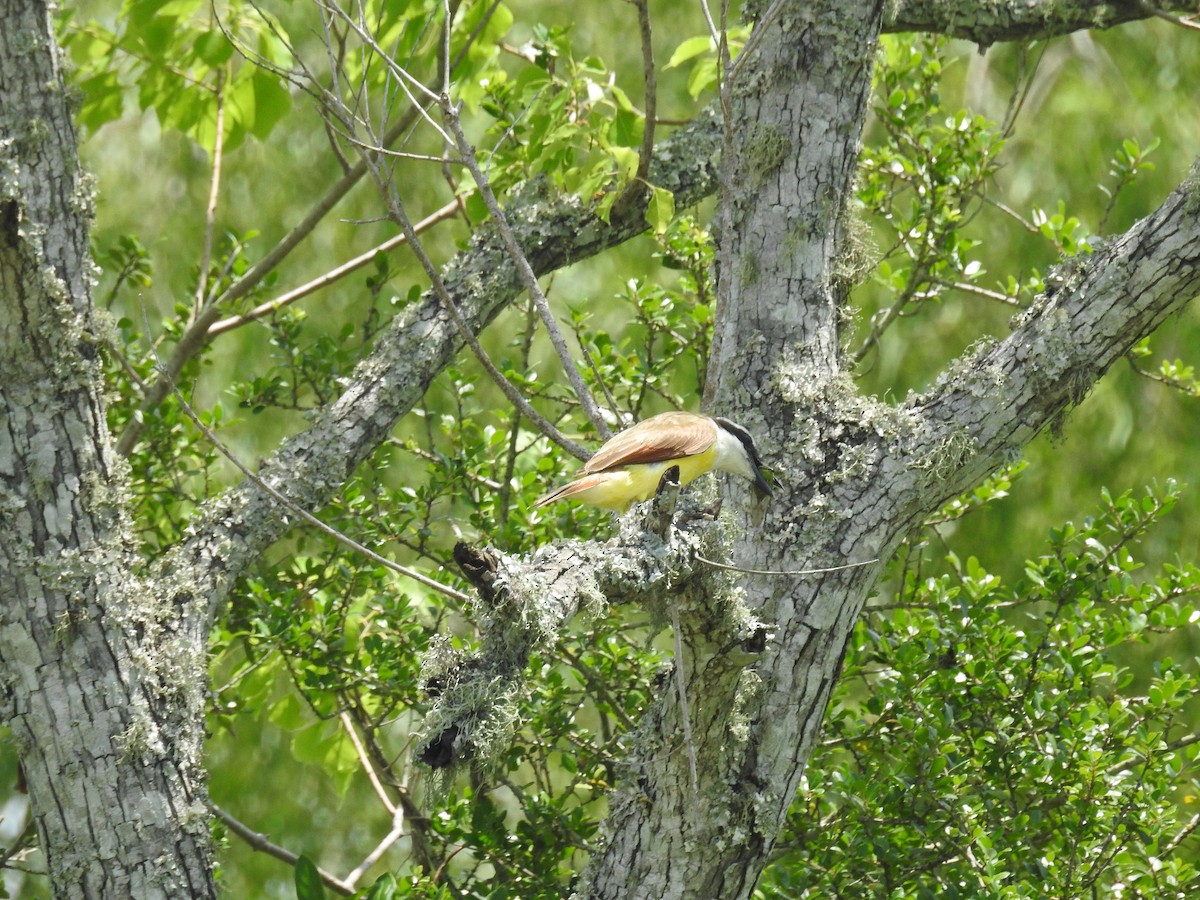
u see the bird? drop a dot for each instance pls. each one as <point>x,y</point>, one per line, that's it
<point>629,466</point>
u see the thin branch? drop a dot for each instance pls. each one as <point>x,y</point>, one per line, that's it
<point>403,78</point>
<point>728,567</point>
<point>271,306</point>
<point>883,320</point>
<point>966,288</point>
<point>195,336</point>
<point>397,154</point>
<point>365,760</point>
<point>381,848</point>
<point>1024,85</point>
<point>752,42</point>
<point>308,517</point>
<point>637,184</point>
<point>1181,21</point>
<point>1184,833</point>
<point>421,453</point>
<point>263,844</point>
<point>722,47</point>
<point>397,812</point>
<point>528,278</point>
<point>1191,389</point>
<point>400,216</point>
<point>21,843</point>
<point>214,190</point>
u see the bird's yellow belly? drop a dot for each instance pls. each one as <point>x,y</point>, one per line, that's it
<point>621,488</point>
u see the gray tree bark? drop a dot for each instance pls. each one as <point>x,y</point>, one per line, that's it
<point>103,666</point>
<point>104,697</point>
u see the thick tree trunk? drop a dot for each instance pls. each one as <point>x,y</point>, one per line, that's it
<point>797,110</point>
<point>104,699</point>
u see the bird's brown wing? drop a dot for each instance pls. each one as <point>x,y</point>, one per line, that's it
<point>669,435</point>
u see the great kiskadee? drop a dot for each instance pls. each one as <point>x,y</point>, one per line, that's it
<point>628,468</point>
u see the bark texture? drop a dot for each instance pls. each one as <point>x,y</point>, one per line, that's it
<point>1012,20</point>
<point>104,705</point>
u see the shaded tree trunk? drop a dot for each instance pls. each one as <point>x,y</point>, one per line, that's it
<point>104,700</point>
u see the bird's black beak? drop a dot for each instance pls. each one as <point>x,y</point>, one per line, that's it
<point>762,487</point>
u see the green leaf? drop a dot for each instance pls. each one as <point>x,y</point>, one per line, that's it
<point>384,888</point>
<point>660,210</point>
<point>213,48</point>
<point>627,129</point>
<point>308,881</point>
<point>104,100</point>
<point>690,49</point>
<point>271,103</point>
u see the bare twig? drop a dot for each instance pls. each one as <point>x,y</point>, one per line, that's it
<point>214,190</point>
<point>752,42</point>
<point>721,44</point>
<point>882,320</point>
<point>408,82</point>
<point>271,306</point>
<point>381,848</point>
<point>397,812</point>
<point>525,270</point>
<point>967,288</point>
<point>263,844</point>
<point>1181,21</point>
<point>640,179</point>
<point>365,760</point>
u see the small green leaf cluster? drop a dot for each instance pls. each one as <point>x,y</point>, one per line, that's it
<point>180,59</point>
<point>702,52</point>
<point>660,356</point>
<point>924,179</point>
<point>305,368</point>
<point>991,741</point>
<point>559,118</point>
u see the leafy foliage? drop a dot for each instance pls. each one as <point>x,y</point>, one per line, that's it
<point>994,741</point>
<point>986,739</point>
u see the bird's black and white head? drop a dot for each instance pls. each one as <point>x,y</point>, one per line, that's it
<point>737,453</point>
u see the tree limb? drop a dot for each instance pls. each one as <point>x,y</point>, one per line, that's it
<point>1016,20</point>
<point>1096,307</point>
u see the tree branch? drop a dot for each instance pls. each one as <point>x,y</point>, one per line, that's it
<point>1096,307</point>
<point>263,844</point>
<point>524,602</point>
<point>1015,20</point>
